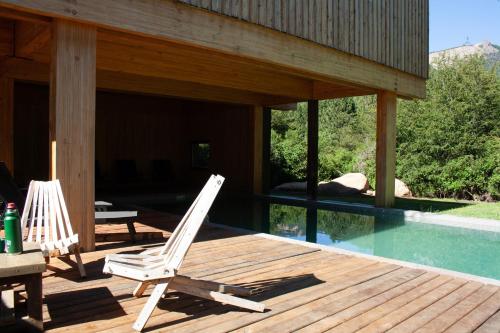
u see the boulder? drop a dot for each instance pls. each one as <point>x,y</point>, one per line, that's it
<point>350,183</point>
<point>401,189</point>
<point>292,187</point>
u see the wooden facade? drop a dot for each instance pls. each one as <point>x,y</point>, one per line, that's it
<point>390,32</point>
<point>254,54</point>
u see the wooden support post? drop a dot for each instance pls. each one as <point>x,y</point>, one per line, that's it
<point>262,149</point>
<point>7,122</point>
<point>312,149</point>
<point>266,151</point>
<point>386,149</point>
<point>72,122</point>
<point>258,114</point>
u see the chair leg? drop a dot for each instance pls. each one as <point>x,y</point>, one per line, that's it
<point>131,230</point>
<point>140,289</point>
<point>148,309</point>
<point>79,261</point>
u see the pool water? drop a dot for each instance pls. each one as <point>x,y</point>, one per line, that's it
<point>464,250</point>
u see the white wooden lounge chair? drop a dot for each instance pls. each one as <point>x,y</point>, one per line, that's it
<point>159,266</point>
<point>46,216</point>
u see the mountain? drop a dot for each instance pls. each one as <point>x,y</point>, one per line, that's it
<point>490,51</point>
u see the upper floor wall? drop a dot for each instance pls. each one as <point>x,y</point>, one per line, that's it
<point>394,33</point>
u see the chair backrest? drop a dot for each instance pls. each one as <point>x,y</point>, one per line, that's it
<point>45,214</point>
<point>9,192</point>
<point>177,246</point>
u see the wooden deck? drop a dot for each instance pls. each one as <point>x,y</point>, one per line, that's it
<point>305,289</point>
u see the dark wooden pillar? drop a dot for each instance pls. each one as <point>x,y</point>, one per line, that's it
<point>312,149</point>
<point>262,150</point>
<point>266,150</point>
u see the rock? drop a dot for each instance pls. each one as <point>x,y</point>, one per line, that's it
<point>486,197</point>
<point>401,189</point>
<point>370,192</point>
<point>350,183</point>
<point>292,187</point>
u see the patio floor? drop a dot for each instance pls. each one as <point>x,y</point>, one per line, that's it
<point>305,289</point>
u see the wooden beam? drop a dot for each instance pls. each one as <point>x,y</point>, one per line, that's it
<point>17,15</point>
<point>155,58</point>
<point>386,149</point>
<point>284,107</point>
<point>327,90</point>
<point>312,149</point>
<point>7,122</point>
<point>22,69</point>
<point>72,121</point>
<point>172,21</point>
<point>30,37</point>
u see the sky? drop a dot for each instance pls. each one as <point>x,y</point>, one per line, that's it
<point>453,22</point>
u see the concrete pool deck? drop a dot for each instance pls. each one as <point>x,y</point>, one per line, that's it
<point>305,288</point>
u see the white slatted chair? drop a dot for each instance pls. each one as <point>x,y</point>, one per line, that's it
<point>46,217</point>
<point>159,266</point>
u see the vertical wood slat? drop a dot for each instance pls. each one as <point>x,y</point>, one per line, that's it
<point>72,121</point>
<point>390,32</point>
<point>329,22</point>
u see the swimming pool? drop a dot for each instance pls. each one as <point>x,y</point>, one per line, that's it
<point>464,250</point>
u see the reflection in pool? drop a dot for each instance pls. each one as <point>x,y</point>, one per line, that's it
<point>464,250</point>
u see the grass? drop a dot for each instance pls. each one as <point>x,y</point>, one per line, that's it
<point>487,210</point>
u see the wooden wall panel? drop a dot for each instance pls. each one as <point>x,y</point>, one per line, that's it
<point>390,32</point>
<point>142,128</point>
<point>6,122</point>
<point>147,128</point>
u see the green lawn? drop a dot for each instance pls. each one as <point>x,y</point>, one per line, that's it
<point>485,210</point>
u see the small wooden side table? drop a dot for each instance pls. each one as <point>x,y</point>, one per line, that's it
<point>26,268</point>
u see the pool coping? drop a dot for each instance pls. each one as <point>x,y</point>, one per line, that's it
<point>333,249</point>
<point>412,215</point>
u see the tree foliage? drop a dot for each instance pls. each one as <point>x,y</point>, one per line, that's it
<point>448,145</point>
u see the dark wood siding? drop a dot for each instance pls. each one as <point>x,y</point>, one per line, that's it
<point>390,32</point>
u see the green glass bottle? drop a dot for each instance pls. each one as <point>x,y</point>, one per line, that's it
<point>12,228</point>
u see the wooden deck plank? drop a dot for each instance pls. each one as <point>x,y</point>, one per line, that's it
<point>305,290</point>
<point>392,319</point>
<point>159,318</point>
<point>137,305</point>
<point>450,317</point>
<point>436,309</point>
<point>477,316</point>
<point>384,309</point>
<point>234,320</point>
<point>492,325</point>
<point>360,308</point>
<point>302,316</point>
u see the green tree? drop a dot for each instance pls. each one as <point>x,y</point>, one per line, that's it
<point>448,144</point>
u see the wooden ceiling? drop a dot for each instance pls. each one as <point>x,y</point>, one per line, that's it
<point>133,63</point>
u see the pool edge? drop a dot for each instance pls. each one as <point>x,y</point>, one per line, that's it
<point>328,248</point>
<point>474,223</point>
